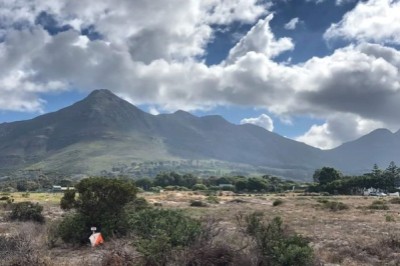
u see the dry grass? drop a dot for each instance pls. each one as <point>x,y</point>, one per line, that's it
<point>337,237</point>
<point>357,236</point>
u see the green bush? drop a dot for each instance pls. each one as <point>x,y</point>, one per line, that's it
<point>389,218</point>
<point>277,202</point>
<point>335,206</point>
<point>395,201</point>
<point>27,211</point>
<point>101,203</point>
<point>378,205</point>
<point>198,203</point>
<point>199,187</point>
<point>276,246</point>
<point>74,228</point>
<point>68,200</point>
<point>212,199</point>
<point>137,204</point>
<point>160,231</point>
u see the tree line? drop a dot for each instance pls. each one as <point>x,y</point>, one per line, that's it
<point>175,181</point>
<point>330,180</point>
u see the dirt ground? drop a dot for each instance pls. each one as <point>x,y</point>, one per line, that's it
<point>347,237</point>
<point>355,236</point>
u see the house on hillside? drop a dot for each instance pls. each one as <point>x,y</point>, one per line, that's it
<point>61,189</point>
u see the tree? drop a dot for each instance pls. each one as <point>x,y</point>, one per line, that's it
<point>391,176</point>
<point>144,183</point>
<point>326,175</point>
<point>100,203</point>
<point>241,184</point>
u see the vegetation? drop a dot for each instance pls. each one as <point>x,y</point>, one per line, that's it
<point>27,211</point>
<point>160,231</point>
<point>335,206</point>
<point>276,245</point>
<point>175,181</point>
<point>378,205</point>
<point>198,203</point>
<point>330,180</point>
<point>277,202</point>
<point>100,203</point>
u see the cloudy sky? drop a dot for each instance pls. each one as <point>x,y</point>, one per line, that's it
<point>319,71</point>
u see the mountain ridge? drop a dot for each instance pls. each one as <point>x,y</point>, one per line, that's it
<point>102,130</point>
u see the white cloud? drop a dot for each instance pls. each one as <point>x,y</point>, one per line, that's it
<point>371,21</point>
<point>263,121</point>
<point>292,24</point>
<point>338,129</point>
<point>151,59</point>
<point>260,39</point>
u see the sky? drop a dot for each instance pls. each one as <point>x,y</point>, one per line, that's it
<point>322,72</point>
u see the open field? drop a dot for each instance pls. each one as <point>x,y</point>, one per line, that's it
<point>354,236</point>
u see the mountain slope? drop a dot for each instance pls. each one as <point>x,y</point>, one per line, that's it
<point>103,130</point>
<point>380,146</point>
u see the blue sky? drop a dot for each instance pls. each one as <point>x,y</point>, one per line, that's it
<point>319,71</point>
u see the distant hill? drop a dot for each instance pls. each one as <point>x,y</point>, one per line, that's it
<point>103,131</point>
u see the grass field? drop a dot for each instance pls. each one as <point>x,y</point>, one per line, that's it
<point>354,236</point>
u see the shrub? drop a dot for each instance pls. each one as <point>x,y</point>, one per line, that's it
<point>100,203</point>
<point>212,199</point>
<point>277,202</point>
<point>137,204</point>
<point>27,211</point>
<point>323,201</point>
<point>335,206</point>
<point>378,205</point>
<point>68,200</point>
<point>4,198</point>
<point>237,201</point>
<point>395,201</point>
<point>74,229</point>
<point>198,203</point>
<point>119,253</point>
<point>160,231</point>
<point>20,249</point>
<point>276,246</point>
<point>389,218</point>
<point>199,187</point>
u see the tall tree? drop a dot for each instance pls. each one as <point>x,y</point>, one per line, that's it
<point>326,175</point>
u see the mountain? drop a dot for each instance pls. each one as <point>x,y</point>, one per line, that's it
<point>103,132</point>
<point>380,146</point>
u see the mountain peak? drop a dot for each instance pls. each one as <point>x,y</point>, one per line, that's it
<point>103,93</point>
<point>183,114</point>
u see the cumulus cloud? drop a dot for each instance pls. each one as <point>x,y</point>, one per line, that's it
<point>263,121</point>
<point>370,21</point>
<point>337,129</point>
<point>260,39</point>
<point>153,59</point>
<point>292,24</point>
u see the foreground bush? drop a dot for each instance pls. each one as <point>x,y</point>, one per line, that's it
<point>276,245</point>
<point>27,211</point>
<point>23,247</point>
<point>378,205</point>
<point>277,202</point>
<point>160,231</point>
<point>101,203</point>
<point>395,201</point>
<point>198,203</point>
<point>335,206</point>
